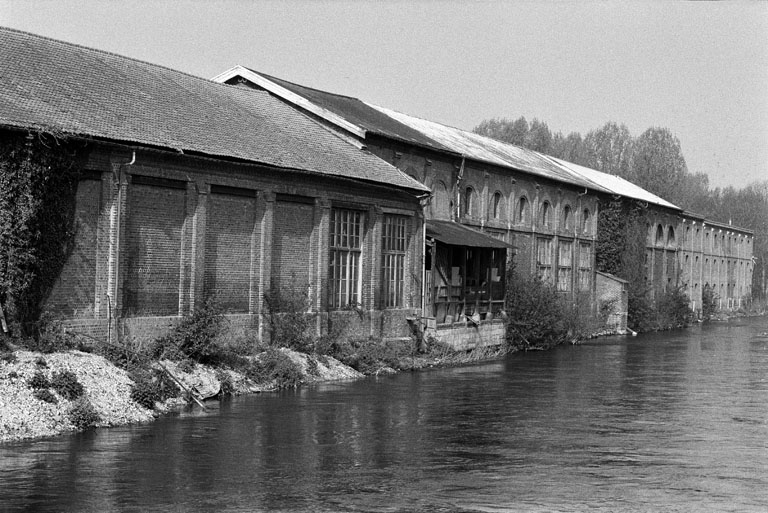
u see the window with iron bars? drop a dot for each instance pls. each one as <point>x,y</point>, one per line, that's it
<point>346,241</point>
<point>394,243</point>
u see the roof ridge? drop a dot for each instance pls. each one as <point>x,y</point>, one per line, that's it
<point>274,78</point>
<point>380,108</point>
<point>106,52</point>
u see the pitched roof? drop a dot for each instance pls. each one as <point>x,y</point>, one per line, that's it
<point>346,111</point>
<point>491,151</point>
<point>52,85</point>
<point>615,184</point>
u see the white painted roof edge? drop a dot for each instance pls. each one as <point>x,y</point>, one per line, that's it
<point>626,188</point>
<point>291,97</point>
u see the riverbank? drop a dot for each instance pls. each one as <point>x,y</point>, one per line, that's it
<point>29,409</point>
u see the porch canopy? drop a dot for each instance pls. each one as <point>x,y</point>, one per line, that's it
<point>456,234</point>
<point>465,273</point>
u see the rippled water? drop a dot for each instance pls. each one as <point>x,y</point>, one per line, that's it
<point>665,422</point>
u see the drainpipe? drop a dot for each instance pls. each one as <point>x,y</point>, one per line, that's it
<point>114,257</point>
<point>422,199</point>
<point>458,190</point>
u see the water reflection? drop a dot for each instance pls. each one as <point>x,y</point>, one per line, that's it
<point>665,422</point>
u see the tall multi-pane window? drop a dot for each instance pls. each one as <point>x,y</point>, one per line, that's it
<point>585,266</point>
<point>544,259</point>
<point>394,241</point>
<point>345,262</point>
<point>565,266</point>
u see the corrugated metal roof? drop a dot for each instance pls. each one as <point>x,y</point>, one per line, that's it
<point>390,123</point>
<point>491,151</point>
<point>359,113</point>
<point>457,234</point>
<point>52,85</point>
<point>615,184</point>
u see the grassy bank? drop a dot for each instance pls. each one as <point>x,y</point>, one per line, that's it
<point>56,383</point>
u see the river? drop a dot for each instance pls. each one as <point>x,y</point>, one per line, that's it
<point>674,421</point>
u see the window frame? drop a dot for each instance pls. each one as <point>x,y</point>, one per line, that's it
<point>394,252</point>
<point>345,265</point>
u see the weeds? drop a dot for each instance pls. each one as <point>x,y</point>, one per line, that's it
<point>194,338</point>
<point>45,395</point>
<point>83,415</point>
<point>39,381</point>
<point>65,383</point>
<point>274,366</point>
<point>152,386</point>
<point>288,322</point>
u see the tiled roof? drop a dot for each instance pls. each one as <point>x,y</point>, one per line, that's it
<point>52,85</point>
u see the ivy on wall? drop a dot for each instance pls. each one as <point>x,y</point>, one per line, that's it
<point>38,183</point>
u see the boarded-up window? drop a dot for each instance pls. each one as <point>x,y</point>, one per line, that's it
<point>345,259</point>
<point>229,236</point>
<point>74,293</point>
<point>394,244</point>
<point>291,243</point>
<point>565,266</point>
<point>156,211</point>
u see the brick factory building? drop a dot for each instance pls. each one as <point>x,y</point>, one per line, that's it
<point>192,190</point>
<point>195,189</point>
<point>544,207</point>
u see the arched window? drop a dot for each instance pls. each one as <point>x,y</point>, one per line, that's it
<point>469,201</point>
<point>670,236</point>
<point>522,210</point>
<point>441,202</point>
<point>567,218</point>
<point>585,221</point>
<point>496,205</point>
<point>659,235</point>
<point>545,215</point>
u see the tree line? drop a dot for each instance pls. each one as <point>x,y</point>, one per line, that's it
<point>654,161</point>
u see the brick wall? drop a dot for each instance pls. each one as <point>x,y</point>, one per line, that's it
<point>612,302</point>
<point>154,220</point>
<point>291,241</point>
<point>73,295</point>
<point>230,232</point>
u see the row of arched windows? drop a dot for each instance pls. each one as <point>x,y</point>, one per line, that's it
<point>660,238</point>
<point>522,211</point>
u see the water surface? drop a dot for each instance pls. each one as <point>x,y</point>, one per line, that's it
<point>665,422</point>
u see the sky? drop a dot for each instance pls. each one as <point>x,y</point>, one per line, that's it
<point>699,69</point>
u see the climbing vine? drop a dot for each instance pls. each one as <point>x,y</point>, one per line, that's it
<point>38,183</point>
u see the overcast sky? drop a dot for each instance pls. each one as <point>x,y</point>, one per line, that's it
<point>697,68</point>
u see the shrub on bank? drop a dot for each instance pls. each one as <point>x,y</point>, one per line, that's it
<point>151,386</point>
<point>539,317</point>
<point>195,337</point>
<point>83,415</point>
<point>708,303</point>
<point>39,381</point>
<point>288,323</point>
<point>65,383</point>
<point>673,310</point>
<point>45,395</point>
<point>275,366</point>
